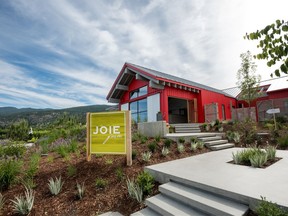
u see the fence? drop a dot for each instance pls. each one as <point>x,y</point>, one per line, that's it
<point>211,112</point>
<point>240,114</point>
<point>263,106</point>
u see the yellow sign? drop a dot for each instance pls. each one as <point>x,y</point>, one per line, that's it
<point>109,133</point>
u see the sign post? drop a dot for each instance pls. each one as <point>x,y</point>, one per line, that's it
<point>273,111</point>
<point>109,133</point>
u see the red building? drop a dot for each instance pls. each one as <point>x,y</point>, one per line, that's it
<point>152,95</point>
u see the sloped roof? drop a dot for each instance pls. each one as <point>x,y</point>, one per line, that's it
<point>275,84</point>
<point>156,79</point>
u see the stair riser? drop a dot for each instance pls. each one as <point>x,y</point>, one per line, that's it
<point>194,203</point>
<point>216,148</point>
<point>218,142</point>
<point>210,139</point>
<point>157,208</point>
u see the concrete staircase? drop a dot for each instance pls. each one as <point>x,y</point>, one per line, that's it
<point>186,128</point>
<point>177,198</point>
<point>215,142</point>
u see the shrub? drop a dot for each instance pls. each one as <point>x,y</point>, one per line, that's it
<point>146,156</point>
<point>22,205</point>
<point>165,151</point>
<point>28,182</point>
<point>230,135</point>
<point>71,170</point>
<point>181,140</point>
<point>134,190</point>
<point>266,208</point>
<point>62,151</point>
<point>17,150</point>
<point>283,141</point>
<point>55,186</point>
<point>271,152</point>
<point>193,139</point>
<point>19,130</point>
<point>152,146</point>
<point>258,160</point>
<point>9,169</point>
<point>146,181</point>
<point>73,146</point>
<point>80,190</point>
<point>167,143</point>
<point>100,183</point>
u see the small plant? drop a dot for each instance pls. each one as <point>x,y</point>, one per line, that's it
<point>193,139</point>
<point>146,156</point>
<point>180,148</point>
<point>29,182</point>
<point>62,151</point>
<point>73,146</point>
<point>236,137</point>
<point>33,165</point>
<point>109,161</point>
<point>167,143</point>
<point>55,186</point>
<point>165,151</point>
<point>22,205</point>
<point>271,153</point>
<point>80,190</point>
<point>71,171</point>
<point>12,149</point>
<point>2,202</point>
<point>158,138</point>
<point>9,170</point>
<point>119,173</point>
<point>181,140</point>
<point>194,146</point>
<point>134,154</point>
<point>200,144</point>
<point>237,159</point>
<point>100,183</point>
<point>143,139</point>
<point>283,142</point>
<point>266,208</point>
<point>146,181</point>
<point>230,135</point>
<point>258,160</point>
<point>50,159</point>
<point>134,190</point>
<point>152,146</point>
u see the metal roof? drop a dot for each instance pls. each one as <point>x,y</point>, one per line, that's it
<point>275,84</point>
<point>156,80</point>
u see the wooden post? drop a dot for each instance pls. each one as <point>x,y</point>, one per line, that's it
<point>128,138</point>
<point>275,121</point>
<point>88,150</point>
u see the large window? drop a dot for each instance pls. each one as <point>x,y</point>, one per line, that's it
<point>138,92</point>
<point>139,110</point>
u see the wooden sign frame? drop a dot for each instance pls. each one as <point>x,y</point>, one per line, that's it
<point>127,129</point>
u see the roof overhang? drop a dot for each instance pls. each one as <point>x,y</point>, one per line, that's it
<point>130,72</point>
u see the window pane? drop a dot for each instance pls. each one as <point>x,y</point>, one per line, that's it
<point>133,107</point>
<point>134,117</point>
<point>142,91</point>
<point>142,117</point>
<point>134,94</point>
<point>142,106</point>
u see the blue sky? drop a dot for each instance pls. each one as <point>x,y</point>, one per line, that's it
<point>60,53</point>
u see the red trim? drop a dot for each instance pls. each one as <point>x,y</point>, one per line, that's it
<point>178,83</point>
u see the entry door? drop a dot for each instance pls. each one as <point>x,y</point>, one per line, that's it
<point>192,111</point>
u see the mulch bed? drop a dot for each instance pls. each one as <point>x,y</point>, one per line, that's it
<point>114,197</point>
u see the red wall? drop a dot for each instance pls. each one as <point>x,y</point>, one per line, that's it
<point>208,97</point>
<point>204,97</point>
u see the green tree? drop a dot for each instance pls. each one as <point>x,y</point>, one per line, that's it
<point>19,130</point>
<point>273,40</point>
<point>247,80</point>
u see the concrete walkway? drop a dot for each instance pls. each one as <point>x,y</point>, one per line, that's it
<point>242,182</point>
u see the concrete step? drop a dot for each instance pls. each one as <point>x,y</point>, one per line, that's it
<point>207,202</point>
<point>216,142</point>
<point>164,205</point>
<point>212,138</point>
<point>110,213</point>
<point>146,212</point>
<point>185,130</point>
<point>222,146</point>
